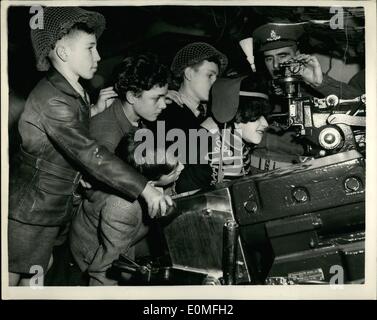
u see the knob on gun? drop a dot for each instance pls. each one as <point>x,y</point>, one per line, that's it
<point>332,100</point>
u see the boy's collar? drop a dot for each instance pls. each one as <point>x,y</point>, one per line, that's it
<point>121,116</point>
<point>61,83</point>
<point>129,113</point>
<point>189,102</point>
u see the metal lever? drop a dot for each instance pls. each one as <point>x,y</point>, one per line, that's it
<point>332,100</point>
<point>124,267</point>
<point>347,119</point>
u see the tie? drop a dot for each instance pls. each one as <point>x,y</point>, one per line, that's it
<point>202,112</point>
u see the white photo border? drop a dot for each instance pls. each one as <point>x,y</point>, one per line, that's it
<point>351,291</point>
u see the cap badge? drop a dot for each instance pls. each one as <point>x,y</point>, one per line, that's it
<point>273,36</point>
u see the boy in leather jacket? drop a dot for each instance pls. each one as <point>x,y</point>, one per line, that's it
<point>56,147</point>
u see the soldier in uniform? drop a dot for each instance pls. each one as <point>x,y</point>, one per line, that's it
<point>278,43</point>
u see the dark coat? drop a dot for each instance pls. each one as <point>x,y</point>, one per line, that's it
<point>56,149</point>
<point>110,126</point>
<point>176,116</point>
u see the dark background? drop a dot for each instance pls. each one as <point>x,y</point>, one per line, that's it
<point>165,29</point>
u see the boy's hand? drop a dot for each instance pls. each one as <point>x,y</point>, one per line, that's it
<point>174,96</point>
<point>311,71</point>
<point>157,202</point>
<point>105,99</point>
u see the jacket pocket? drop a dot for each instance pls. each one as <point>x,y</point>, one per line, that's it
<point>49,201</point>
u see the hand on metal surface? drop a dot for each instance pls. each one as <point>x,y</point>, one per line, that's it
<point>157,202</point>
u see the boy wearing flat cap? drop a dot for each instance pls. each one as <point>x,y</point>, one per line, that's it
<point>56,147</point>
<point>195,68</point>
<point>236,126</point>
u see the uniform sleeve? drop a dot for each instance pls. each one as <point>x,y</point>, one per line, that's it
<point>61,124</point>
<point>340,89</point>
<point>358,81</point>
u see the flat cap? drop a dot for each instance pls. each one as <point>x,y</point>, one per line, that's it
<point>194,53</point>
<point>277,35</point>
<point>57,22</point>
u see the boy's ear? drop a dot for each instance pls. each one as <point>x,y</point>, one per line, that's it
<point>61,52</point>
<point>131,97</point>
<point>188,73</point>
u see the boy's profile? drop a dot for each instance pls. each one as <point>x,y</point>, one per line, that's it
<point>56,148</point>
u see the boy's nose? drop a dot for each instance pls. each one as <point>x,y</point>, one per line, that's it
<point>162,104</point>
<point>96,56</point>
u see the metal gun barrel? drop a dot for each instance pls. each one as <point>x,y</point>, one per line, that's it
<point>230,237</point>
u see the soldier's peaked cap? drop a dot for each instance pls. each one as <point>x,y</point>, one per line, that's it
<point>277,35</point>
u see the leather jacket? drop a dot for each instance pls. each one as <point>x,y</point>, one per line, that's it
<point>56,149</point>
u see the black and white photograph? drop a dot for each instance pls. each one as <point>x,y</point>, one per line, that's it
<point>181,149</point>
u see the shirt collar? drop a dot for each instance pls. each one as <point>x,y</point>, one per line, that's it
<point>190,103</point>
<point>124,123</point>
